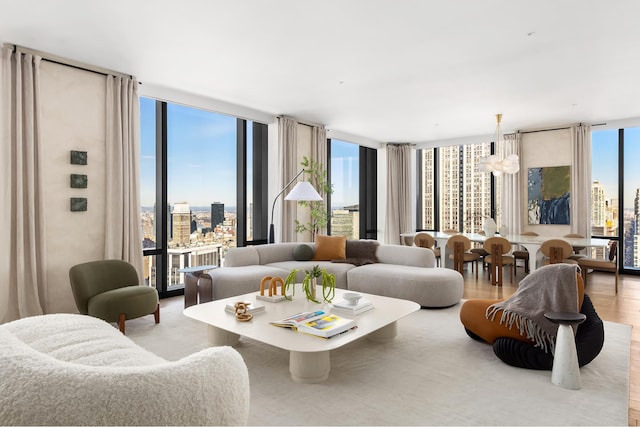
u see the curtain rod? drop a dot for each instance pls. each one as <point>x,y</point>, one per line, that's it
<point>313,125</point>
<point>560,128</point>
<point>69,62</point>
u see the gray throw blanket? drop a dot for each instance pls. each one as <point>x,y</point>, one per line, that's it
<point>552,288</point>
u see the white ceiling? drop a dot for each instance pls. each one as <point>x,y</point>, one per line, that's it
<point>385,70</point>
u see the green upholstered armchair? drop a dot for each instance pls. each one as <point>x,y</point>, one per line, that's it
<point>110,290</point>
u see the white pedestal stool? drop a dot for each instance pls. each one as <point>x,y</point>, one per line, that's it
<point>566,370</point>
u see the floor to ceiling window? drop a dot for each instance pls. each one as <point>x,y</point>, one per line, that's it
<point>344,209</point>
<point>353,177</point>
<point>198,188</point>
<point>452,193</point>
<point>615,192</point>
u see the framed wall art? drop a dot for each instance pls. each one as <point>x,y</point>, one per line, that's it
<point>549,197</point>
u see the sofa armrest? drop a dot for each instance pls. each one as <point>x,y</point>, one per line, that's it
<point>406,255</point>
<point>210,387</point>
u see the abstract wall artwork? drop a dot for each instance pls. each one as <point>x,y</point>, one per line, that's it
<point>549,195</point>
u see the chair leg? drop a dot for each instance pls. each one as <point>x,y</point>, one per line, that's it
<point>616,281</point>
<point>156,314</point>
<point>477,267</point>
<point>121,322</point>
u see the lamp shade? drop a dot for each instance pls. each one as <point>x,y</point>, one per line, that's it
<point>303,191</point>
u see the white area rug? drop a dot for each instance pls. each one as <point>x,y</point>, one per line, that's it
<point>431,374</point>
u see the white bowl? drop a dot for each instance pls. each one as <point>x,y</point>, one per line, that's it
<point>352,297</point>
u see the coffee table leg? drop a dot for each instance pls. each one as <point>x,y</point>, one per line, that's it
<point>218,337</point>
<point>309,367</point>
<point>384,334</point>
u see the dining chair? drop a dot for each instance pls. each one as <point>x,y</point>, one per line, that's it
<point>498,248</point>
<point>610,264</point>
<point>426,240</point>
<point>459,247</point>
<point>450,231</point>
<point>576,249</point>
<point>481,251</point>
<point>555,251</point>
<point>523,254</point>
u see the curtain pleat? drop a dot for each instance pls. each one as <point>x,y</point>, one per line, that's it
<point>398,213</point>
<point>285,231</point>
<point>581,180</point>
<point>123,239</point>
<point>23,283</point>
<point>511,194</point>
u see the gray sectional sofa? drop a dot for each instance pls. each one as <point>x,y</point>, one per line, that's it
<point>405,272</point>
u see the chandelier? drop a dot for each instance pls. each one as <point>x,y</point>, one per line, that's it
<point>499,164</point>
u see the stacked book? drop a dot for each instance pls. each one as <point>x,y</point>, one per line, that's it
<point>349,308</point>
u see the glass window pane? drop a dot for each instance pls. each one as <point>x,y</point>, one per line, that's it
<point>476,185</point>
<point>604,187</point>
<point>249,182</point>
<point>449,187</point>
<point>427,198</point>
<point>631,203</point>
<point>345,164</point>
<point>201,188</point>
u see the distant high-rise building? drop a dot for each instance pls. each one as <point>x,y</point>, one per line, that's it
<point>181,218</point>
<point>345,222</point>
<point>636,211</point>
<point>598,205</point>
<point>462,188</point>
<point>217,214</point>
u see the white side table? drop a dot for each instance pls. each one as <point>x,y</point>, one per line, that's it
<point>566,370</point>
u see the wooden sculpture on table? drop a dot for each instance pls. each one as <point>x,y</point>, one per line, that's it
<point>270,285</point>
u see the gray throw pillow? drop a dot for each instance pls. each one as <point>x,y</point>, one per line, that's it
<point>303,253</point>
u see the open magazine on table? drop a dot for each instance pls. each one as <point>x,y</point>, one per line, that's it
<point>317,323</point>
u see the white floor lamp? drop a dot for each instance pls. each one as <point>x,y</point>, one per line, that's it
<point>303,191</point>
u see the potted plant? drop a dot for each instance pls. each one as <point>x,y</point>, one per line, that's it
<point>316,174</point>
<point>310,281</point>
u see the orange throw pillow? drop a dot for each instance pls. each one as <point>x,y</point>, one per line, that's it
<point>330,247</point>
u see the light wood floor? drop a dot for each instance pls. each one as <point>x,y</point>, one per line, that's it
<point>622,308</point>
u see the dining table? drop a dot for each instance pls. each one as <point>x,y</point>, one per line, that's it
<point>530,243</point>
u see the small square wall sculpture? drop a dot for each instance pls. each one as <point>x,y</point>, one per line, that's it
<point>78,157</point>
<point>78,181</point>
<point>78,204</point>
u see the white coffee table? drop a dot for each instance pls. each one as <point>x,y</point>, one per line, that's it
<point>308,355</point>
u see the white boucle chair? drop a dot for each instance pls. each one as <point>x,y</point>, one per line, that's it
<point>72,369</point>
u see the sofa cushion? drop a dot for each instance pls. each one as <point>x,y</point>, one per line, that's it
<point>231,281</point>
<point>429,287</point>
<point>330,247</point>
<point>303,253</point>
<point>360,252</point>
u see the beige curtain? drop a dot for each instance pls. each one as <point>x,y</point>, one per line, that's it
<point>23,286</point>
<point>319,155</point>
<point>123,239</point>
<point>398,214</point>
<point>511,194</point>
<point>581,180</point>
<point>285,229</point>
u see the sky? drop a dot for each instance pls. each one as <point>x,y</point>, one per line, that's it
<point>201,158</point>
